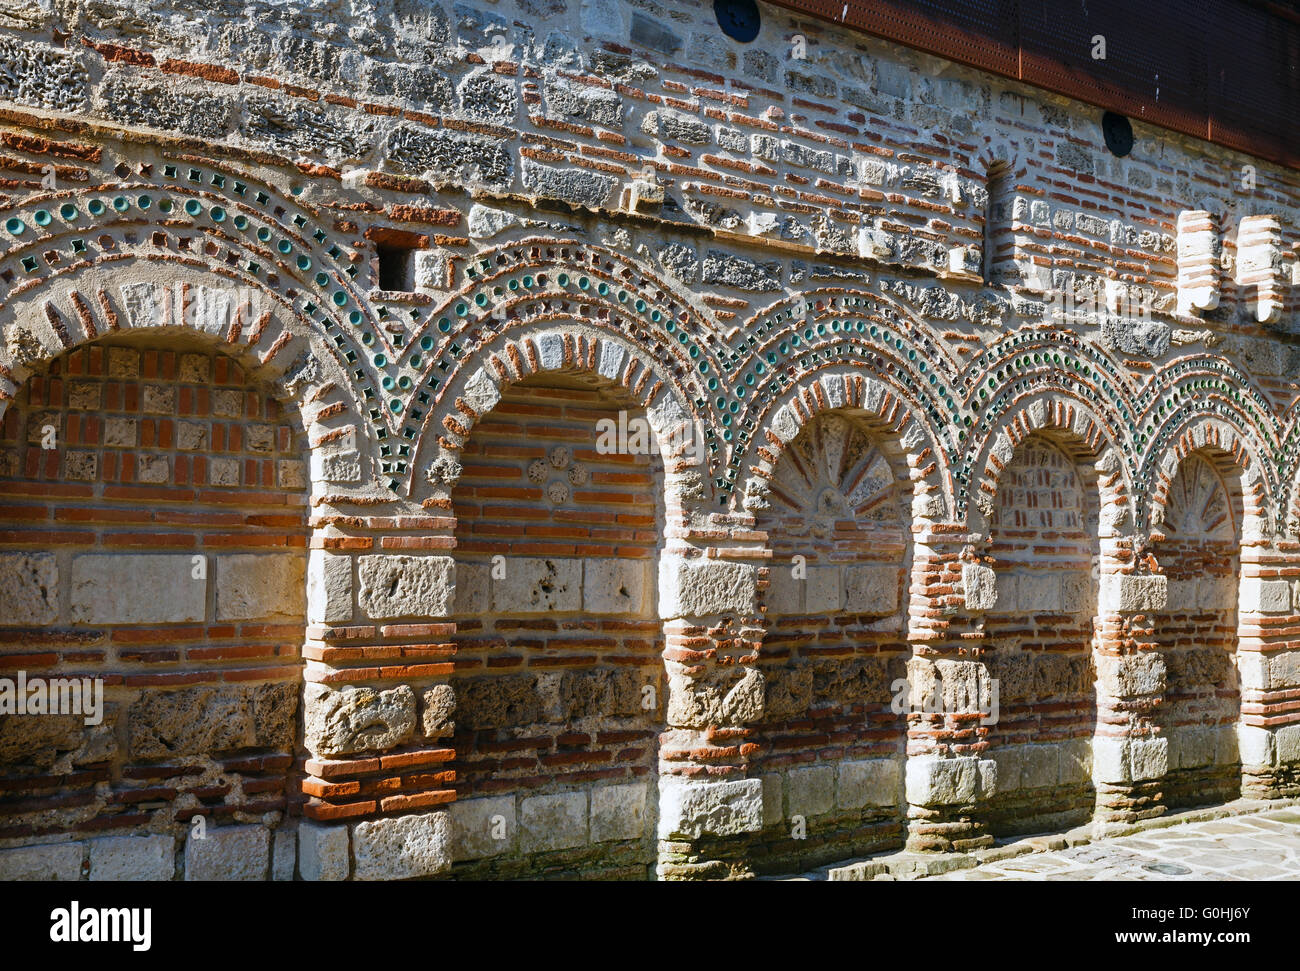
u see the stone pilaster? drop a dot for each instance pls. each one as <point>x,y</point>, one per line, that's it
<point>709,806</point>
<point>378,711</point>
<point>949,774</point>
<point>1268,734</point>
<point>1129,756</point>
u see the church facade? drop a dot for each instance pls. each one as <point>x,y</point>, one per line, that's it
<point>553,438</point>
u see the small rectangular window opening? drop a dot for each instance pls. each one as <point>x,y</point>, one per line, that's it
<point>395,251</point>
<point>396,268</point>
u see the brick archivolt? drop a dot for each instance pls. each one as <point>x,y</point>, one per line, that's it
<point>1084,433</point>
<point>849,390</point>
<point>575,347</point>
<point>1216,438</point>
<point>263,333</point>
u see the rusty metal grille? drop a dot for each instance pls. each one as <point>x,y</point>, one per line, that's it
<point>1224,70</point>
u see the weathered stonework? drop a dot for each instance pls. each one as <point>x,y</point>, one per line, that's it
<point>555,439</point>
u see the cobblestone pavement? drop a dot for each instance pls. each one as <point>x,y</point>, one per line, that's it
<point>1263,846</point>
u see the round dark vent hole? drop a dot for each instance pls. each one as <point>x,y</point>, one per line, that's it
<point>1118,133</point>
<point>738,19</point>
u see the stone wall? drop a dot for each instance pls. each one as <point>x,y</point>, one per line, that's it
<point>831,745</point>
<point>559,672</point>
<point>878,454</point>
<point>1199,549</point>
<point>158,543</point>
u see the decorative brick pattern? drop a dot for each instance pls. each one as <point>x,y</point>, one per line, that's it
<point>166,526</point>
<point>1002,391</point>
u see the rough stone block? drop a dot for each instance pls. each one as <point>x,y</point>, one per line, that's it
<point>1191,748</point>
<point>1039,592</point>
<point>323,852</point>
<point>1008,592</point>
<point>553,822</point>
<point>1110,762</point>
<point>736,697</point>
<point>1076,761</point>
<point>190,721</point>
<point>402,847</point>
<point>773,799</point>
<point>702,588</point>
<point>1126,593</point>
<point>784,596</point>
<point>618,812</point>
<point>84,395</point>
<point>811,790</point>
<point>1183,596</point>
<point>195,369</point>
<point>868,782</point>
<point>1225,745</point>
<point>329,588</point>
<point>121,432</point>
<point>483,827</point>
<point>1284,670</point>
<point>223,472</point>
<point>133,858</point>
<point>980,585</point>
<point>128,588</point>
<point>29,588</point>
<point>229,853</point>
<point>612,586</point>
<point>284,855</point>
<point>159,399</point>
<point>1076,592</point>
<point>438,711</point>
<point>123,363</point>
<point>1256,745</point>
<point>987,782</point>
<point>822,590</point>
<point>256,585</point>
<point>353,720</point>
<point>406,586</point>
<point>1040,766</point>
<point>871,589</point>
<point>1253,669</point>
<point>568,185</point>
<point>1287,744</point>
<point>1010,762</point>
<point>50,861</point>
<point>538,585</point>
<point>933,781</point>
<point>1149,758</point>
<point>480,392</point>
<point>1219,592</point>
<point>690,809</point>
<point>473,589</point>
<point>1131,675</point>
<point>1264,596</point>
<point>726,270</point>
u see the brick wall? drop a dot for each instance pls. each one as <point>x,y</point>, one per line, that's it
<point>1199,550</point>
<point>158,543</point>
<point>831,742</point>
<point>559,675</point>
<point>729,238</point>
<point>1040,635</point>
